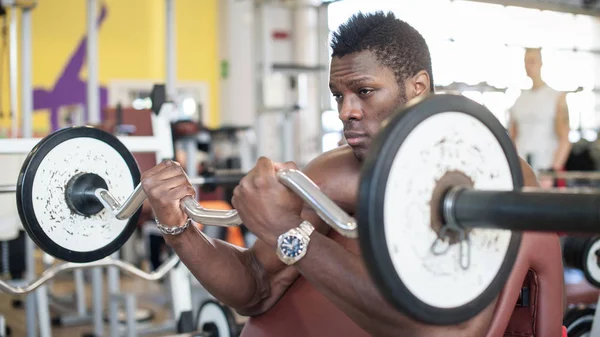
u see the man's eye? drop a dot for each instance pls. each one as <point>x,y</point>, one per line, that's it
<point>365,91</point>
<point>337,97</point>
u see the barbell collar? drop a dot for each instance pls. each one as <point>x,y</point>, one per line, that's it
<point>51,273</point>
<point>522,210</point>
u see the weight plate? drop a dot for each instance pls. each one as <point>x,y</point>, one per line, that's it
<point>578,321</point>
<point>216,320</point>
<point>42,202</point>
<point>423,142</point>
<point>580,252</point>
<point>591,259</point>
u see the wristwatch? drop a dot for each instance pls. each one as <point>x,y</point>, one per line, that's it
<point>292,245</point>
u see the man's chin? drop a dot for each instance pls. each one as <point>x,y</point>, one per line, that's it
<point>359,152</point>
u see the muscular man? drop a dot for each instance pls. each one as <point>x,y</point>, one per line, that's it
<point>379,62</point>
<point>539,120</point>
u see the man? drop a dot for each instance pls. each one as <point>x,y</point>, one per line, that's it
<point>539,120</point>
<point>379,62</point>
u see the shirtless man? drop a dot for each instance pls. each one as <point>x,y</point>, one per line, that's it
<point>379,62</point>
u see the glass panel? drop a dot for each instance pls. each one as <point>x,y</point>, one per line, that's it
<point>331,141</point>
<point>331,121</point>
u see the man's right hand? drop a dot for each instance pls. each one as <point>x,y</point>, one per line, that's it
<point>165,185</point>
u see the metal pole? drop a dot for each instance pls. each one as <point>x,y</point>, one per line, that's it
<point>30,301</point>
<point>171,66</point>
<point>113,300</point>
<point>14,71</point>
<point>41,294</point>
<point>80,293</point>
<point>93,87</point>
<point>26,74</point>
<point>97,302</point>
<point>265,39</point>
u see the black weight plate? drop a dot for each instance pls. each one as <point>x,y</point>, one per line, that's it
<point>418,145</point>
<point>41,198</point>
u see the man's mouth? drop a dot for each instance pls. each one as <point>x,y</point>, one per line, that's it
<point>354,138</point>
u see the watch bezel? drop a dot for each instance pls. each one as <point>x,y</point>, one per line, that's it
<point>303,240</point>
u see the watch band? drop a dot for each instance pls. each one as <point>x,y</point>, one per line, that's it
<point>172,230</point>
<point>306,227</point>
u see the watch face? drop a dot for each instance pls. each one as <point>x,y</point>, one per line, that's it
<point>292,246</point>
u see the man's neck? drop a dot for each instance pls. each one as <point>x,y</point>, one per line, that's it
<point>537,83</point>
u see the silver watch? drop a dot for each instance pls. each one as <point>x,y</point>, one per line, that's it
<point>292,245</point>
<point>172,230</point>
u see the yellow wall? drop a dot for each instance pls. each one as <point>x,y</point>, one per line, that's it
<point>131,45</point>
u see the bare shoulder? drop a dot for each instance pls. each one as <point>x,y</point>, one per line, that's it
<point>339,158</point>
<point>337,174</point>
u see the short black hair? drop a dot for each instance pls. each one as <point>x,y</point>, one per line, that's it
<point>395,43</point>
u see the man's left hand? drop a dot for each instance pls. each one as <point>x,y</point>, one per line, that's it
<point>265,205</point>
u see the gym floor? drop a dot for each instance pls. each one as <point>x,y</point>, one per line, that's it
<point>64,286</point>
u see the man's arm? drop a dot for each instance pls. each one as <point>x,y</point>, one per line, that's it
<point>562,128</point>
<point>249,280</point>
<point>512,131</point>
<point>512,125</point>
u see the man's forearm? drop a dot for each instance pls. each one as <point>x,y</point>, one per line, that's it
<point>228,272</point>
<point>342,277</point>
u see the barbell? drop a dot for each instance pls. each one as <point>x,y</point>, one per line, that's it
<point>440,205</point>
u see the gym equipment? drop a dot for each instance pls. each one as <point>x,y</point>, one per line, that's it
<point>211,178</point>
<point>217,320</point>
<point>583,253</point>
<point>55,193</point>
<point>49,274</point>
<point>56,206</point>
<point>441,185</point>
<point>579,320</point>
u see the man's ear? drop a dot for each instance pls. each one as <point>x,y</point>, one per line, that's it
<point>418,85</point>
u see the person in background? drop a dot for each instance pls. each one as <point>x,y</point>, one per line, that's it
<point>539,120</point>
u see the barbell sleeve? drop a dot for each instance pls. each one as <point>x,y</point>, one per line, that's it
<point>52,272</point>
<point>523,210</point>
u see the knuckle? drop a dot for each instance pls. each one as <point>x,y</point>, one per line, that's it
<point>191,190</point>
<point>237,191</point>
<point>174,168</point>
<point>261,181</point>
<point>147,184</point>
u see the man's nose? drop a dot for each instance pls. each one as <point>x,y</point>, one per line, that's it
<point>350,109</point>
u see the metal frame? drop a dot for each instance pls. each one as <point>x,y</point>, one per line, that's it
<point>62,267</point>
<point>39,300</point>
<point>93,85</point>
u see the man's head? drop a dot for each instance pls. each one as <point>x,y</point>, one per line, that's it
<point>533,63</point>
<point>378,63</point>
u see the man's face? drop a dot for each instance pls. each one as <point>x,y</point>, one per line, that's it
<point>533,63</point>
<point>366,93</point>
